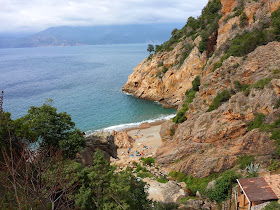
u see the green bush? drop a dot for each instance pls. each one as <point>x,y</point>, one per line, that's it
<point>240,87</point>
<point>223,186</point>
<point>164,206</point>
<point>277,105</point>
<point>139,168</point>
<point>257,122</point>
<point>261,83</point>
<point>219,99</point>
<point>245,160</point>
<point>272,206</point>
<point>244,43</point>
<point>144,175</point>
<point>164,70</point>
<point>196,83</point>
<point>275,16</point>
<point>162,180</point>
<point>180,116</point>
<point>194,184</point>
<point>172,131</point>
<point>148,161</point>
<point>243,20</point>
<point>190,96</point>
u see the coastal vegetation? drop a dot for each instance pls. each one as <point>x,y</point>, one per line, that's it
<point>222,185</point>
<point>190,95</point>
<point>38,169</point>
<point>204,25</point>
<point>219,99</point>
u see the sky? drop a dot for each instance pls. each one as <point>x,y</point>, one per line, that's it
<point>37,15</point>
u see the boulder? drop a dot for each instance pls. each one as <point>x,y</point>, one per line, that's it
<point>191,204</point>
<point>103,141</point>
<point>169,192</point>
<point>145,125</point>
<point>122,139</point>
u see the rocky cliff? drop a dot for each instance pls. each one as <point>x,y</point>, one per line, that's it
<point>103,141</point>
<point>234,49</point>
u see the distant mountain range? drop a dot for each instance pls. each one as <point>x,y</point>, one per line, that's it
<point>72,36</point>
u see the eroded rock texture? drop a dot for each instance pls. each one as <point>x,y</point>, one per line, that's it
<point>209,142</point>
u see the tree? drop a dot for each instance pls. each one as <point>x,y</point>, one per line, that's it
<point>150,48</point>
<point>103,188</point>
<point>53,129</point>
<point>36,179</point>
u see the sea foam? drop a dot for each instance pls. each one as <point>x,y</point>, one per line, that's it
<point>130,125</point>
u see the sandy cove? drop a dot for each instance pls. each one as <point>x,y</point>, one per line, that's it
<point>148,137</point>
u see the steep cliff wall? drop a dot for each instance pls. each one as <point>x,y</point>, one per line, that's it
<point>236,56</point>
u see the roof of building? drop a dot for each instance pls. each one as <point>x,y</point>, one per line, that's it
<point>257,189</point>
<point>274,182</point>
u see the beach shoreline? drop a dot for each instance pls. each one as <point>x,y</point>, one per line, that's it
<point>146,142</point>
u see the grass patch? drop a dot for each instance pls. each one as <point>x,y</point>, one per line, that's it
<point>219,99</point>
<point>144,175</point>
<point>245,160</point>
<point>257,122</point>
<point>162,180</point>
<point>261,83</point>
<point>272,206</point>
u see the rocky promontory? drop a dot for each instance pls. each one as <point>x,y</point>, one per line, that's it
<point>233,51</point>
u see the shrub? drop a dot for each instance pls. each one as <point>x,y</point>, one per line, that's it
<point>190,96</point>
<point>240,87</point>
<point>162,180</point>
<point>217,65</point>
<point>274,165</point>
<point>144,175</point>
<point>245,160</point>
<point>223,186</point>
<point>272,206</point>
<point>261,83</point>
<point>243,20</point>
<point>172,131</point>
<point>196,83</point>
<point>164,70</point>
<point>277,105</point>
<point>257,122</point>
<point>219,99</point>
<point>194,184</point>
<point>244,43</point>
<point>180,116</point>
<point>275,16</point>
<point>148,161</point>
<point>139,168</point>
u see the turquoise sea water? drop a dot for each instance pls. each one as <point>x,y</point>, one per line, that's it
<point>84,81</point>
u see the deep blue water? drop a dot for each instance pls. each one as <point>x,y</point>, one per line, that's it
<point>84,81</point>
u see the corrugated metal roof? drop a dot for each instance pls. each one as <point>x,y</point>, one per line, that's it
<point>257,189</point>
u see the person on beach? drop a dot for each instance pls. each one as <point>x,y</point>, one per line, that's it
<point>128,151</point>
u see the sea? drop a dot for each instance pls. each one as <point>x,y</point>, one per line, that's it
<point>84,81</point>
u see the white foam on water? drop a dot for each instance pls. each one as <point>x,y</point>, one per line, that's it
<point>132,125</point>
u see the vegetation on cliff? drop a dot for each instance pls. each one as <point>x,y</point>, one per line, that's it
<point>205,25</point>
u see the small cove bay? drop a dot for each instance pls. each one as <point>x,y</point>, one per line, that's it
<point>84,81</point>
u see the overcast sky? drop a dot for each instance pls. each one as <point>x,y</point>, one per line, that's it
<point>36,15</point>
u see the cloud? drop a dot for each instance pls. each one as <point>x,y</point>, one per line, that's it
<point>34,15</point>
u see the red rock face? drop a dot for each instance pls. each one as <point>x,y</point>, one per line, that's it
<point>210,142</point>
